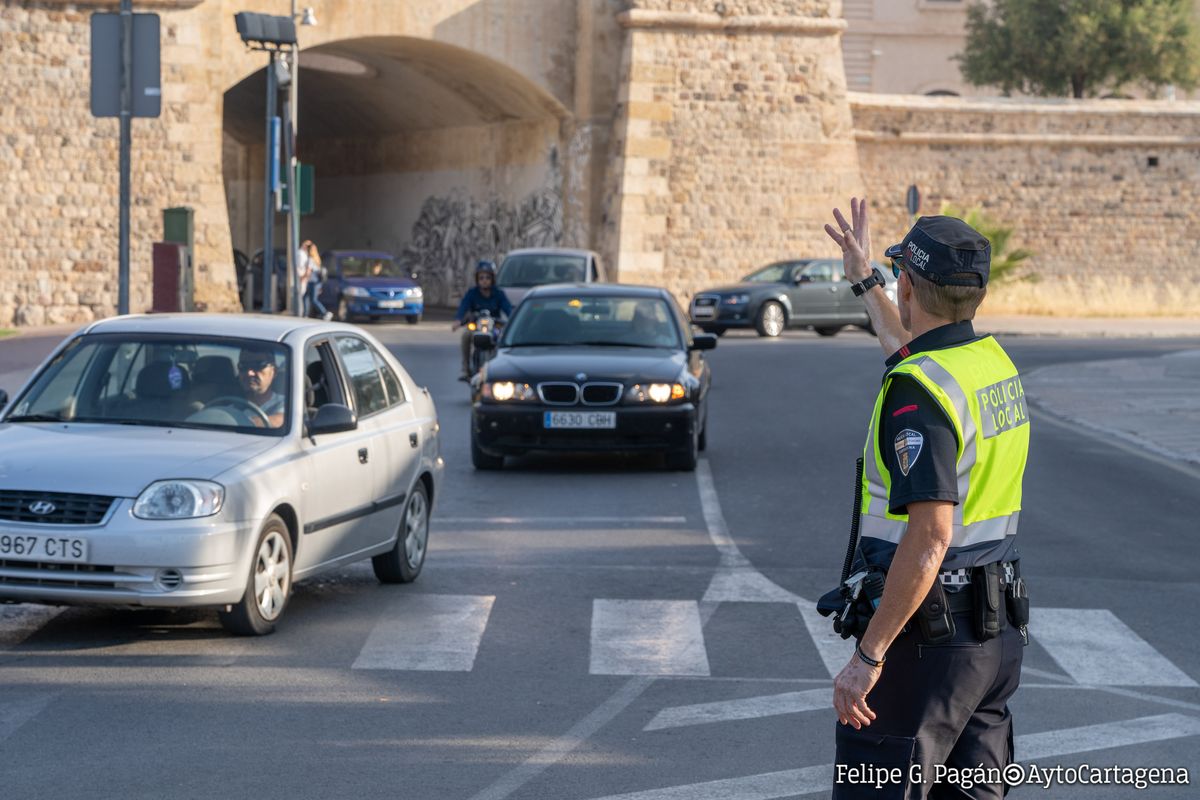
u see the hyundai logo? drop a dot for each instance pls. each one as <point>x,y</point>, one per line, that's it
<point>42,507</point>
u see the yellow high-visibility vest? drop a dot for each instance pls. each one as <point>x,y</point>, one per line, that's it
<point>979,389</point>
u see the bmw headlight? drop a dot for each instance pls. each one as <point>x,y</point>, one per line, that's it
<point>355,291</point>
<point>414,292</point>
<point>505,391</point>
<point>657,392</point>
<point>179,499</point>
<point>736,299</point>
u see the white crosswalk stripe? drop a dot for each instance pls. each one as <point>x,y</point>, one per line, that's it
<point>743,708</point>
<point>1074,636</point>
<point>435,632</point>
<point>647,637</point>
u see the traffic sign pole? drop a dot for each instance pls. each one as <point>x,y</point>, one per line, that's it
<point>126,148</point>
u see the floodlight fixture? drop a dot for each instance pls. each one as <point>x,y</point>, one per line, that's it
<point>309,18</point>
<point>264,31</point>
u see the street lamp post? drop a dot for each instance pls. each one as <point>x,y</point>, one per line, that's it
<point>293,179</point>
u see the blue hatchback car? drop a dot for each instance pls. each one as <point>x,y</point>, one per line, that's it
<point>366,283</point>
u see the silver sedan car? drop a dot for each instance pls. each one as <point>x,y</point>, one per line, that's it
<point>212,460</point>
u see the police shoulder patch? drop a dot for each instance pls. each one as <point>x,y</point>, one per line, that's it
<point>908,449</point>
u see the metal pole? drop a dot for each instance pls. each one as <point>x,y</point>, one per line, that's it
<point>269,198</point>
<point>125,152</point>
<point>293,178</point>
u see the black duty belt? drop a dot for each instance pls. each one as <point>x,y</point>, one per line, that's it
<point>961,602</point>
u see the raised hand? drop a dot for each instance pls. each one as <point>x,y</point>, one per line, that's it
<point>854,239</point>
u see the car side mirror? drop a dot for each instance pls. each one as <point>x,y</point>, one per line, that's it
<point>704,341</point>
<point>483,341</point>
<point>332,418</point>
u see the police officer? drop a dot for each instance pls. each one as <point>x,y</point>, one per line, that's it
<point>943,463</point>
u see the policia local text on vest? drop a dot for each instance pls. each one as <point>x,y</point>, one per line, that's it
<point>932,588</point>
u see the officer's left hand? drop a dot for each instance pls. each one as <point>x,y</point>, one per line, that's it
<point>850,690</point>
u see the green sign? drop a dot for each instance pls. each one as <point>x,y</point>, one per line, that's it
<point>306,175</point>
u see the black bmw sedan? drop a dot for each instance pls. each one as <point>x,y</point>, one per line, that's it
<point>587,367</point>
<point>809,292</point>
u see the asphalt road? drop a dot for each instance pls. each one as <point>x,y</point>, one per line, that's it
<point>595,627</point>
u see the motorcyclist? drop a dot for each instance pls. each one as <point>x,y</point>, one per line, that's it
<point>483,296</point>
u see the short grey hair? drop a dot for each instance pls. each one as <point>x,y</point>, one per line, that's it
<point>955,303</point>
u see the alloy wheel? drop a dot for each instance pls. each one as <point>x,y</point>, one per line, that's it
<point>416,530</point>
<point>773,319</point>
<point>272,576</point>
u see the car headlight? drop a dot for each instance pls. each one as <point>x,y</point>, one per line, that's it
<point>179,499</point>
<point>736,299</point>
<point>657,392</point>
<point>355,291</point>
<point>505,391</point>
<point>415,291</point>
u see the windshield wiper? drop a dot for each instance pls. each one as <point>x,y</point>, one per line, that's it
<point>35,418</point>
<point>623,344</point>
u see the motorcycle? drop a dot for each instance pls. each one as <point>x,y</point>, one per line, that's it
<point>485,324</point>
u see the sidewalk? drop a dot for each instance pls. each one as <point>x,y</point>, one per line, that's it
<point>1106,327</point>
<point>1153,403</point>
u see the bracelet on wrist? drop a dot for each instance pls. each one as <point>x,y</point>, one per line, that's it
<point>867,659</point>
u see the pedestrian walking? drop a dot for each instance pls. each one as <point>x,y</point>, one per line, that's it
<point>308,273</point>
<point>939,651</point>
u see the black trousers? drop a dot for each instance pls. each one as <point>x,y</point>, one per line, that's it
<point>944,704</point>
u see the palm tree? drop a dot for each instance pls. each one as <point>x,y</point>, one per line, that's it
<point>1005,263</point>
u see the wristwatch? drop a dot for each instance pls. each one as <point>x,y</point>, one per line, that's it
<point>874,279</point>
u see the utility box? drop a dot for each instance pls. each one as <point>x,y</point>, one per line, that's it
<point>179,227</point>
<point>171,279</point>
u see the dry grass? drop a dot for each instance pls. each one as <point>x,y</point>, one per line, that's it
<point>6,332</point>
<point>1099,297</point>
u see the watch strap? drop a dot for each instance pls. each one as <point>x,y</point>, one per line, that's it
<point>874,279</point>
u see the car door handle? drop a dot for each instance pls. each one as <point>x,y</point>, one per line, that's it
<point>412,439</point>
<point>363,455</point>
<point>833,288</point>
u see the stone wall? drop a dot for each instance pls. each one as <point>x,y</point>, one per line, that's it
<point>734,136</point>
<point>1102,192</point>
<point>59,188</point>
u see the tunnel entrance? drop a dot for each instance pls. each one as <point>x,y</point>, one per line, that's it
<point>436,154</point>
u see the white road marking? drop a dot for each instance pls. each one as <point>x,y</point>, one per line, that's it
<point>832,648</point>
<point>15,713</point>
<point>747,585</point>
<point>668,520</point>
<point>1032,746</point>
<point>647,637</point>
<point>714,520</point>
<point>744,708</point>
<point>1074,636</point>
<point>767,786</point>
<point>18,622</point>
<point>435,632</point>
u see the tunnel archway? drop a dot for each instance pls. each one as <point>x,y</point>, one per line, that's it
<point>435,153</point>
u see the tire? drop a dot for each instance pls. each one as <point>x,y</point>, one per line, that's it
<point>869,327</point>
<point>414,319</point>
<point>771,319</point>
<point>685,460</point>
<point>702,442</point>
<point>402,564</point>
<point>264,585</point>
<point>481,460</point>
<point>343,310</point>
<point>827,330</point>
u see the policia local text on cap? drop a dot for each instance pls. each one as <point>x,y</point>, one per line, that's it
<point>939,654</point>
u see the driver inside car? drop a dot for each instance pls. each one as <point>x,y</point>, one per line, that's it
<point>256,373</point>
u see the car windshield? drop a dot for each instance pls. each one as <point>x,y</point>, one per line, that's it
<point>164,381</point>
<point>592,320</point>
<point>776,273</point>
<point>370,267</point>
<point>541,268</point>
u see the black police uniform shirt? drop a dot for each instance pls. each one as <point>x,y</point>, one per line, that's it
<point>916,438</point>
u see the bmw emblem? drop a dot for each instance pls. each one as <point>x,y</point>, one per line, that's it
<point>42,507</point>
<point>582,376</point>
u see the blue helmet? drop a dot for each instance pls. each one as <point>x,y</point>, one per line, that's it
<point>486,266</point>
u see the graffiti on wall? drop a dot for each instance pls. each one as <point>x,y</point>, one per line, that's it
<point>453,232</point>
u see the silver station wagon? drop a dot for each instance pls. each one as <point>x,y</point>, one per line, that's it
<point>212,460</point>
